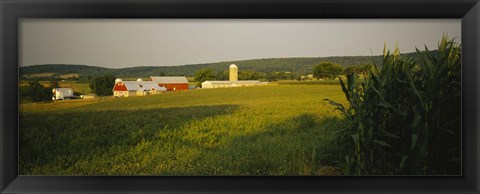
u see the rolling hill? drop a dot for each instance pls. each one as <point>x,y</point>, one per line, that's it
<point>299,65</point>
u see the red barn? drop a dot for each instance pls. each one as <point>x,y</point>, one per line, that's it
<point>136,88</point>
<point>171,83</point>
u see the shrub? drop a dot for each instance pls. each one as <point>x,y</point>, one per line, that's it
<point>36,92</point>
<point>203,75</point>
<point>103,85</point>
<point>405,117</point>
<point>327,70</point>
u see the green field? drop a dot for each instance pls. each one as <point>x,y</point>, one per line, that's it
<point>263,130</point>
<point>83,88</point>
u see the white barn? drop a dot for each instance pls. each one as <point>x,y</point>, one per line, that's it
<point>230,84</point>
<point>233,81</point>
<point>62,93</point>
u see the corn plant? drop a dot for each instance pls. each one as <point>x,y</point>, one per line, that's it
<point>404,116</point>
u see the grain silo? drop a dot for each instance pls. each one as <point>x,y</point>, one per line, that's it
<point>233,81</point>
<point>118,80</point>
<point>233,72</point>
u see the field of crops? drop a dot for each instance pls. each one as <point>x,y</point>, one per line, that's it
<point>264,130</point>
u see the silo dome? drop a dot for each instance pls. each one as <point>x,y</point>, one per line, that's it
<point>118,80</point>
<point>139,80</point>
<point>233,72</point>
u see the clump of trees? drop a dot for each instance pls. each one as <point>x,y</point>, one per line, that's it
<point>54,83</point>
<point>282,75</point>
<point>327,70</point>
<point>358,69</point>
<point>35,92</point>
<point>103,85</point>
<point>222,75</point>
<point>204,75</point>
<point>250,75</point>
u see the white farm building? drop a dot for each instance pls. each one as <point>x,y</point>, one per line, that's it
<point>136,88</point>
<point>230,84</point>
<point>62,93</point>
<point>233,81</point>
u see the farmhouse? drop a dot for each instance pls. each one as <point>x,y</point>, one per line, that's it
<point>62,93</point>
<point>170,82</point>
<point>136,88</point>
<point>233,81</point>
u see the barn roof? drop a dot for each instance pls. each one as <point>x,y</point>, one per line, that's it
<point>218,82</point>
<point>155,86</point>
<point>142,85</point>
<point>232,82</point>
<point>246,81</point>
<point>169,79</point>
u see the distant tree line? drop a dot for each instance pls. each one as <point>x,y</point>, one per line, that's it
<point>299,66</point>
<point>324,70</point>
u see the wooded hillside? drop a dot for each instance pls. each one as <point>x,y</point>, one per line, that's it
<point>299,65</point>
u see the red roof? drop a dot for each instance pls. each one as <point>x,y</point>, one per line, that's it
<point>120,87</point>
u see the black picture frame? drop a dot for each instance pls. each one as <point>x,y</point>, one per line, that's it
<point>13,10</point>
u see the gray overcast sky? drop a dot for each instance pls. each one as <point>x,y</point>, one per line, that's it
<point>118,43</point>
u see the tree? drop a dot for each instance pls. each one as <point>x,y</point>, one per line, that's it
<point>350,69</point>
<point>54,83</point>
<point>103,85</point>
<point>358,69</point>
<point>327,70</point>
<point>222,75</point>
<point>250,75</point>
<point>272,76</point>
<point>365,68</point>
<point>204,75</point>
<point>37,93</point>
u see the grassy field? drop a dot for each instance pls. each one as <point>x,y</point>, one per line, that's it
<point>83,88</point>
<point>38,75</point>
<point>264,130</point>
<point>308,82</point>
<point>69,75</point>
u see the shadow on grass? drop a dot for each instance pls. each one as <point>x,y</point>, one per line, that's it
<point>60,138</point>
<point>303,145</point>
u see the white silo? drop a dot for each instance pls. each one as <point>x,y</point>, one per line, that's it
<point>118,80</point>
<point>233,72</point>
<point>139,80</point>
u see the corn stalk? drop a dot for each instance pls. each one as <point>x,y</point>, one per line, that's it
<point>404,116</point>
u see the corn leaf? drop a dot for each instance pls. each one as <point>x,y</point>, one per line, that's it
<point>414,141</point>
<point>382,143</point>
<point>402,162</point>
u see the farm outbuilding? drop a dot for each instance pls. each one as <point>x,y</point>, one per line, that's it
<point>88,96</point>
<point>172,83</point>
<point>233,80</point>
<point>62,93</point>
<point>230,84</point>
<point>136,88</point>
